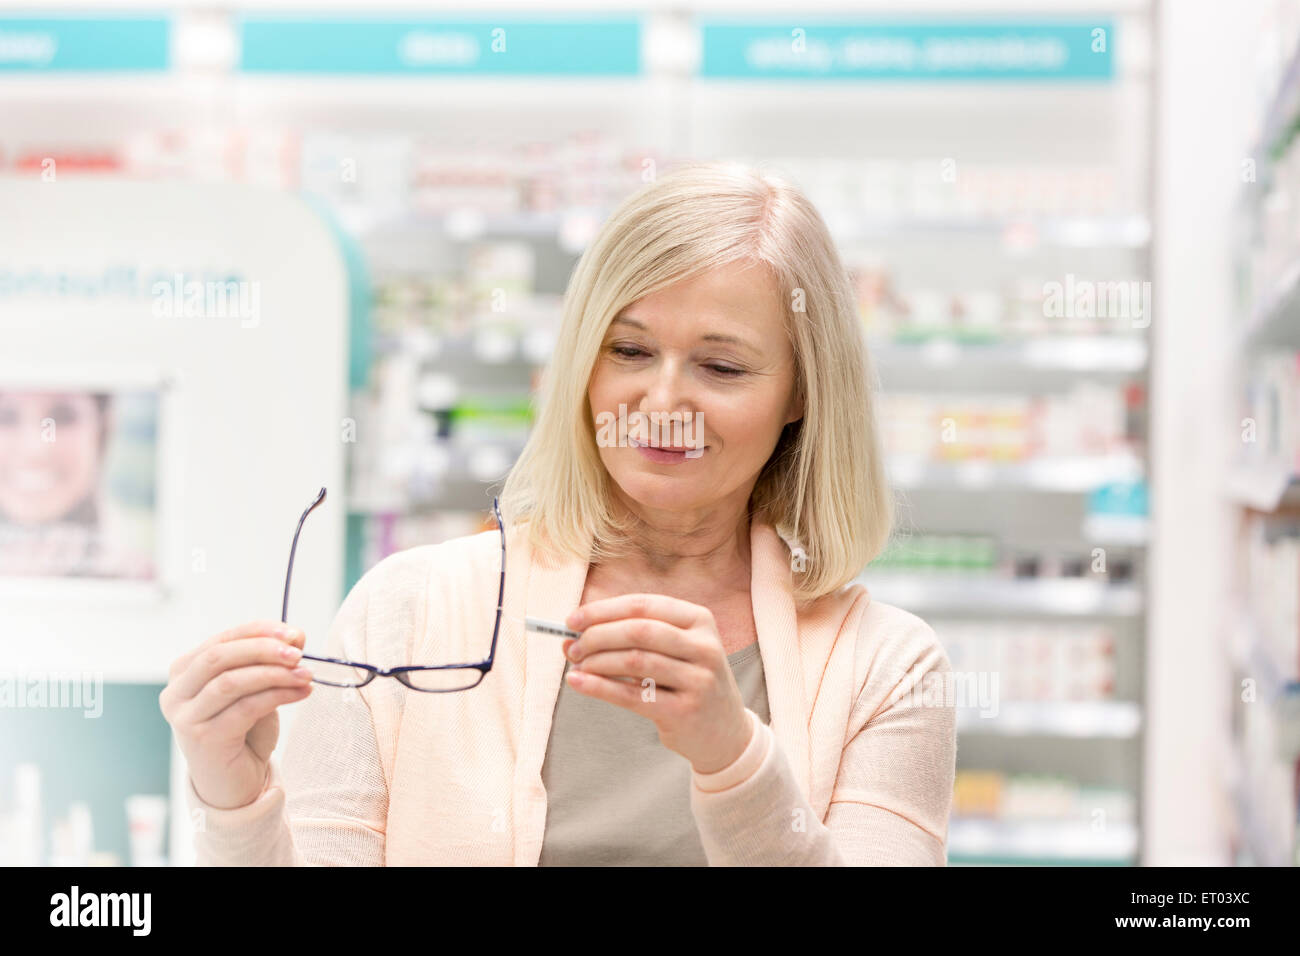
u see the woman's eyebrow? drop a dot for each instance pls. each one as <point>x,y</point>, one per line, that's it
<point>711,337</point>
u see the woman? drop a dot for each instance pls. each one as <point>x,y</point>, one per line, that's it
<point>733,699</point>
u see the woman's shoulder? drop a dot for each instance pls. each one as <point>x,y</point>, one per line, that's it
<point>890,622</point>
<point>893,643</point>
<point>886,639</point>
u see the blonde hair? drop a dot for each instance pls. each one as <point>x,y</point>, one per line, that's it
<point>824,486</point>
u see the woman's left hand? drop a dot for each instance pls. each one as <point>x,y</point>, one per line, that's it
<point>693,700</point>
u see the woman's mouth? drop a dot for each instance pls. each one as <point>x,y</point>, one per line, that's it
<point>667,455</point>
<point>31,481</point>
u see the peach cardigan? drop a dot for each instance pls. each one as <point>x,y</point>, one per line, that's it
<point>856,767</point>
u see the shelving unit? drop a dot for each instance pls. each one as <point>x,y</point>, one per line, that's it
<point>1261,632</point>
<point>1026,503</point>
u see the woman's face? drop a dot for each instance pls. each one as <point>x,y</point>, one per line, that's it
<point>41,480</point>
<point>713,345</point>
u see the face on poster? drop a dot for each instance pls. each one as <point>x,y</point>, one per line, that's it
<point>78,477</point>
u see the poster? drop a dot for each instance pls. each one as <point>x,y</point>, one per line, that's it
<point>78,481</point>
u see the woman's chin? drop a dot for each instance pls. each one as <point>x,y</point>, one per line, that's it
<point>663,493</point>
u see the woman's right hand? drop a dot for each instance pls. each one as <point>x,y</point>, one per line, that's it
<point>221,701</point>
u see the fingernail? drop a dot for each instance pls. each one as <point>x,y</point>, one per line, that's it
<point>290,653</point>
<point>575,653</point>
<point>301,672</point>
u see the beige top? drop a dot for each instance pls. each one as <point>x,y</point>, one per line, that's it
<point>616,796</point>
<point>855,765</point>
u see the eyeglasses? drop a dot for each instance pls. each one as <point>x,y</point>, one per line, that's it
<point>440,679</point>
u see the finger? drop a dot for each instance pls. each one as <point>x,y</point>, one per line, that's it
<point>616,692</point>
<point>261,628</point>
<point>229,655</point>
<point>661,607</point>
<point>239,717</point>
<point>666,672</point>
<point>645,633</point>
<point>228,686</point>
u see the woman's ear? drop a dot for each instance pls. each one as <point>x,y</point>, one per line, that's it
<point>794,410</point>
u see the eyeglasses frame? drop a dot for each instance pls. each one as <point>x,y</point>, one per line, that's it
<point>402,674</point>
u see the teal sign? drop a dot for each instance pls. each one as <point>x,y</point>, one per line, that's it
<point>103,44</point>
<point>440,46</point>
<point>1121,498</point>
<point>899,50</point>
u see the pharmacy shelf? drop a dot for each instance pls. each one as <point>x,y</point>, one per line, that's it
<point>468,225</point>
<point>1118,719</point>
<point>1070,475</point>
<point>1260,793</point>
<point>949,592</point>
<point>1274,317</point>
<point>1129,232</point>
<point>1280,113</point>
<point>1079,353</point>
<point>1050,842</point>
<point>1252,656</point>
<point>454,474</point>
<point>1264,851</point>
<point>1122,233</point>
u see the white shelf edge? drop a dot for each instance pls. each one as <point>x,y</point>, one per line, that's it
<point>956,590</point>
<point>1272,309</point>
<point>1082,353</point>
<point>1079,474</point>
<point>1046,839</point>
<point>1104,719</point>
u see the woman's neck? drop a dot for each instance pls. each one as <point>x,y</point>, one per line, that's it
<point>685,554</point>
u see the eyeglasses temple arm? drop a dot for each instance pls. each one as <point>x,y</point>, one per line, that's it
<point>284,607</point>
<point>501,588</point>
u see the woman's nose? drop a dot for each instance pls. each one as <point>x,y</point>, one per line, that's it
<point>667,390</point>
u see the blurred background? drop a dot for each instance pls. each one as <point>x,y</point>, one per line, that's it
<point>247,251</point>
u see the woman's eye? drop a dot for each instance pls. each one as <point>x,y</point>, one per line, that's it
<point>632,352</point>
